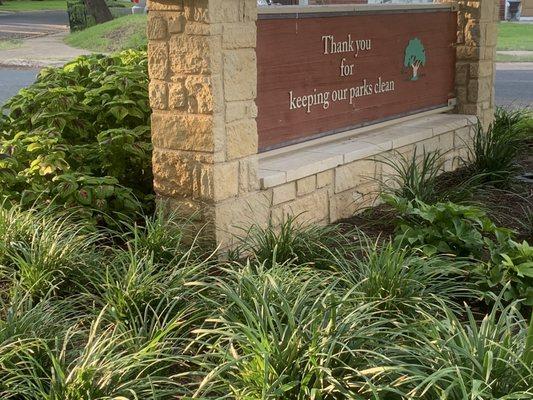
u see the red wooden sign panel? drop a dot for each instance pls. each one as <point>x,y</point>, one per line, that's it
<point>322,73</point>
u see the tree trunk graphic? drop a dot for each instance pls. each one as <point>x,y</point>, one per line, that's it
<point>415,67</point>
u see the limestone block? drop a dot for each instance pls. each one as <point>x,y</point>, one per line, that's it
<point>158,95</point>
<point>194,54</point>
<point>461,94</point>
<point>351,202</point>
<point>249,10</point>
<point>235,216</point>
<point>471,109</point>
<point>156,28</point>
<point>468,52</point>
<point>446,142</point>
<point>489,53</point>
<point>479,90</point>
<point>226,180</point>
<point>463,137</point>
<point>224,10</point>
<point>310,209</point>
<point>239,35</point>
<point>248,179</point>
<point>157,60</point>
<point>202,29</point>
<point>306,185</point>
<point>354,174</point>
<point>324,179</point>
<point>473,33</point>
<point>196,10</point>
<point>182,132</point>
<point>491,34</point>
<point>283,193</point>
<point>481,69</point>
<point>181,207</point>
<point>178,96</point>
<point>176,24</point>
<point>461,73</point>
<point>165,5</point>
<point>173,174</point>
<point>240,74</point>
<point>200,90</point>
<point>236,110</point>
<point>241,139</point>
<point>428,146</point>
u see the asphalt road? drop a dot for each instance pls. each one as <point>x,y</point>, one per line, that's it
<point>32,23</point>
<point>12,80</point>
<point>514,88</point>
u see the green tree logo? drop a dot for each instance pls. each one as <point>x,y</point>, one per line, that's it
<point>415,56</point>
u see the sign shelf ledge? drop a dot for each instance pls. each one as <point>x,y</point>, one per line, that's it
<point>299,161</point>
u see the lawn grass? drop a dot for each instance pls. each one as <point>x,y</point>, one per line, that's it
<point>513,58</point>
<point>119,34</point>
<point>515,36</point>
<point>32,5</point>
<point>10,44</point>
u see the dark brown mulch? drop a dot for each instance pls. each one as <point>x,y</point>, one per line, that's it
<point>510,207</point>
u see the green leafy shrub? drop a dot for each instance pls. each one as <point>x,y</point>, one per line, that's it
<point>511,269</point>
<point>445,228</point>
<point>80,136</point>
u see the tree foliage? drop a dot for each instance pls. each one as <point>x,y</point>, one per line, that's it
<point>414,53</point>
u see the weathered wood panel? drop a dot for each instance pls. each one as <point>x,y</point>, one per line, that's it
<point>316,59</point>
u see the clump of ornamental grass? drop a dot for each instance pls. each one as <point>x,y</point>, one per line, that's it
<point>281,333</point>
<point>155,267</point>
<point>97,362</point>
<point>42,251</point>
<point>447,358</point>
<point>519,121</point>
<point>295,240</point>
<point>493,151</point>
<point>400,278</point>
<point>414,177</point>
<point>418,177</point>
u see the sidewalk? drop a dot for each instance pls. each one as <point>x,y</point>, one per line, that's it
<point>44,51</point>
<point>515,66</point>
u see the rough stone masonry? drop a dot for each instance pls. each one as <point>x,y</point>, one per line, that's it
<point>203,83</point>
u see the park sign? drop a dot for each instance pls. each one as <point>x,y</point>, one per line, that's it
<point>326,71</point>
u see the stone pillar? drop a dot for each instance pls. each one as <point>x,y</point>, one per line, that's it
<point>203,83</point>
<point>476,53</point>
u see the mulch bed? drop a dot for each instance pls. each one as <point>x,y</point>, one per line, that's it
<point>510,207</point>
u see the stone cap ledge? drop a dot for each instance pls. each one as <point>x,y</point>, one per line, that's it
<point>277,169</point>
<point>350,8</point>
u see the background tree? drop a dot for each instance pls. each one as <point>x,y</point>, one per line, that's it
<point>99,10</point>
<point>415,56</point>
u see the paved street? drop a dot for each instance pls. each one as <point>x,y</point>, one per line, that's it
<point>514,84</point>
<point>32,24</point>
<point>12,80</point>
